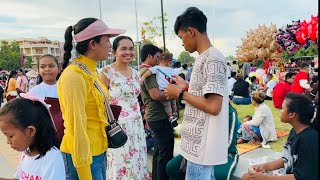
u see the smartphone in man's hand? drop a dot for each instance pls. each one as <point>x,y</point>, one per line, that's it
<point>168,78</point>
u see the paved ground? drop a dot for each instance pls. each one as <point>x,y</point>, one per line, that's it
<point>259,154</point>
<point>9,158</point>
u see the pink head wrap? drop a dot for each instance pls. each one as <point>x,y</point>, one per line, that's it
<point>96,29</point>
<point>34,98</point>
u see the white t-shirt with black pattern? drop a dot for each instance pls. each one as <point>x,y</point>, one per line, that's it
<point>204,136</point>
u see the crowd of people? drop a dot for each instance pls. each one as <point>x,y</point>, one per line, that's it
<point>59,124</point>
<point>245,89</point>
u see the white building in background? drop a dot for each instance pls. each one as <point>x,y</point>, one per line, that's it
<point>35,48</point>
<point>104,63</point>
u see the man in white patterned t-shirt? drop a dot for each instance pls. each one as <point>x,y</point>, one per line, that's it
<point>205,123</point>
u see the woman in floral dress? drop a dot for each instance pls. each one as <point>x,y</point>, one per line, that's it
<point>130,160</point>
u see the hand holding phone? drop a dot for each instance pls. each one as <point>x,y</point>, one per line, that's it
<point>168,78</point>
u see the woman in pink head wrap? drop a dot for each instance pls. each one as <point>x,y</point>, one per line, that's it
<point>85,119</point>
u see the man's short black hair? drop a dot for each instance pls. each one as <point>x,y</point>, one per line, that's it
<point>289,75</point>
<point>149,49</point>
<point>192,17</point>
<point>185,66</point>
<point>304,65</point>
<point>177,64</point>
<point>182,76</point>
<point>252,78</point>
<point>233,74</point>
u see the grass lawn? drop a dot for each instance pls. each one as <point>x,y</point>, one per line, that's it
<point>244,110</point>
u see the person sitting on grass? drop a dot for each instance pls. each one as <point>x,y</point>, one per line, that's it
<point>241,91</point>
<point>261,129</point>
<point>301,83</point>
<point>281,89</point>
<point>269,87</point>
<point>254,86</point>
<point>245,119</point>
<point>301,151</point>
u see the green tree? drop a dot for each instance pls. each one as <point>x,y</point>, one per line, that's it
<point>230,58</point>
<point>152,29</point>
<point>312,50</point>
<point>185,58</point>
<point>10,55</point>
<point>259,63</point>
<point>148,41</point>
<point>27,62</point>
<point>286,55</point>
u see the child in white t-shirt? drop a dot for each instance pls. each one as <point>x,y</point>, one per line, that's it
<point>48,67</point>
<point>164,66</point>
<point>29,128</point>
<point>46,88</point>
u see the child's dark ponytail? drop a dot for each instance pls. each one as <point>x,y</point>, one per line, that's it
<point>12,74</point>
<point>82,46</point>
<point>67,47</point>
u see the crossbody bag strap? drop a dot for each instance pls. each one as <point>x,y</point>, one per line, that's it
<point>106,103</point>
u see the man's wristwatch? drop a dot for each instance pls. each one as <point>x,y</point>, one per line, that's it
<point>181,94</point>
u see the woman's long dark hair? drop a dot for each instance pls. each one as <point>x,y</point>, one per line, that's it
<point>26,113</point>
<point>20,70</point>
<point>12,73</point>
<point>81,47</point>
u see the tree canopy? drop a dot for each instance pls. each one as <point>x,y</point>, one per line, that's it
<point>230,58</point>
<point>10,55</point>
<point>152,30</point>
<point>312,50</point>
<point>185,57</point>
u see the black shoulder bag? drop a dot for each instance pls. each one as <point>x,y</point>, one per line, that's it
<point>116,136</point>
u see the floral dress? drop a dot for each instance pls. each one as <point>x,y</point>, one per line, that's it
<point>130,160</point>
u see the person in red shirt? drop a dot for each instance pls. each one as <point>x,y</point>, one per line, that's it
<point>281,89</point>
<point>301,82</point>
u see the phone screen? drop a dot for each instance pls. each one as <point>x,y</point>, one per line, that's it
<point>169,78</point>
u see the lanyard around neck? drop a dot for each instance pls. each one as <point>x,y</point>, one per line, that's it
<point>106,104</point>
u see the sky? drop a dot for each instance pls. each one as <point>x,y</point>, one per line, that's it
<point>228,20</point>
